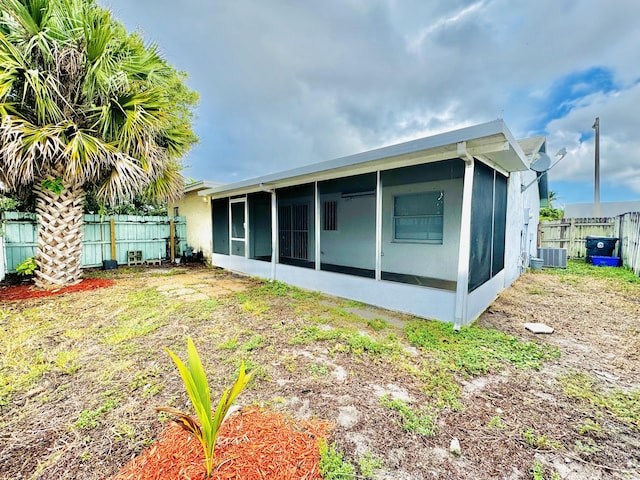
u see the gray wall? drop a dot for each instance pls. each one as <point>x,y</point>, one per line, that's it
<point>520,241</point>
<point>354,243</point>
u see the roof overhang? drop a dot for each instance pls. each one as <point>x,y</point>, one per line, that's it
<point>491,142</point>
<point>200,185</point>
<point>531,146</point>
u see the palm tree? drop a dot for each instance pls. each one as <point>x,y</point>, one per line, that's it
<point>84,106</point>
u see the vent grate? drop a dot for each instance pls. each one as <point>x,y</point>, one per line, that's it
<point>553,257</point>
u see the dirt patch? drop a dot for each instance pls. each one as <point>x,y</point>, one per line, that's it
<point>89,409</point>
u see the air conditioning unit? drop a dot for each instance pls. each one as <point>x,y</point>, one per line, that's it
<point>553,257</point>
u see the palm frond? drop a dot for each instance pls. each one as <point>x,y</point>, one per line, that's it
<point>26,149</point>
<point>12,61</point>
<point>123,182</point>
<point>87,155</point>
<point>80,95</point>
<point>41,88</point>
<point>168,186</point>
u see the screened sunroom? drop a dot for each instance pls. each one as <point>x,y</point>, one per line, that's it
<point>425,227</point>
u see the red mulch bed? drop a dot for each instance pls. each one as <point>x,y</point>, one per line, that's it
<point>253,444</point>
<point>25,292</point>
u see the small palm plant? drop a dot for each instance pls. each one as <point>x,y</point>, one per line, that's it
<point>197,386</point>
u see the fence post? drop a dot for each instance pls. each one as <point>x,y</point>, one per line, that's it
<point>540,236</point>
<point>572,238</point>
<point>112,229</point>
<point>2,259</point>
<point>172,240</point>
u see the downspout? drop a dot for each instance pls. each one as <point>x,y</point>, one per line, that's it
<point>464,250</point>
<point>274,228</point>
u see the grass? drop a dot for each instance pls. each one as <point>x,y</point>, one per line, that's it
<point>21,371</point>
<point>332,465</point>
<point>369,464</point>
<point>474,350</point>
<point>496,423</point>
<point>140,317</point>
<point>438,382</point>
<point>318,370</point>
<point>540,442</point>
<point>378,324</point>
<point>112,343</point>
<point>91,418</point>
<point>415,420</point>
<point>148,382</point>
<point>255,342</point>
<point>587,448</point>
<point>344,340</point>
<point>622,404</point>
<point>582,269</point>
<point>229,344</point>
<point>590,427</point>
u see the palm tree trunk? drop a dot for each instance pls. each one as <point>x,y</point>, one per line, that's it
<point>59,252</point>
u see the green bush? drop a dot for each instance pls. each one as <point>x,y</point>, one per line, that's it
<point>27,267</point>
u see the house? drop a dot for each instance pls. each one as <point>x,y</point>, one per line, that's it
<point>435,227</point>
<point>607,209</point>
<point>197,209</point>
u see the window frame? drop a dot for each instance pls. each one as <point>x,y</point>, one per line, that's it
<point>396,217</point>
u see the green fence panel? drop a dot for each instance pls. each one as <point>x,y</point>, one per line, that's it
<point>20,237</point>
<point>151,235</point>
<point>96,242</point>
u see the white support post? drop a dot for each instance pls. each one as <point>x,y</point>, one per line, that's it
<point>246,226</point>
<point>462,285</point>
<point>378,226</point>
<point>274,234</point>
<point>316,202</point>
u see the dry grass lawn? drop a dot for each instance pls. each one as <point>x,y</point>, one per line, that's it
<point>81,373</point>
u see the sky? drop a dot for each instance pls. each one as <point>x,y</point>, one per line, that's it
<point>287,83</point>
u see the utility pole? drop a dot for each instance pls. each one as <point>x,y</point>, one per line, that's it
<point>596,190</point>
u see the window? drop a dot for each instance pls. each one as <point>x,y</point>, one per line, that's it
<point>418,217</point>
<point>330,215</point>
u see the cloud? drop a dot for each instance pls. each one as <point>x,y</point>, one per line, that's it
<point>290,83</point>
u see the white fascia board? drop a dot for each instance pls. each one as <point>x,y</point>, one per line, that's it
<point>492,139</point>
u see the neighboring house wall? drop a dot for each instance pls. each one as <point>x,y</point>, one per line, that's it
<point>607,209</point>
<point>197,209</point>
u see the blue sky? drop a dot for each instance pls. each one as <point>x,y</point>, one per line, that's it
<point>284,84</point>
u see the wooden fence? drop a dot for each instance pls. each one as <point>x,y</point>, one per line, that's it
<point>571,234</point>
<point>105,238</point>
<point>629,243</point>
